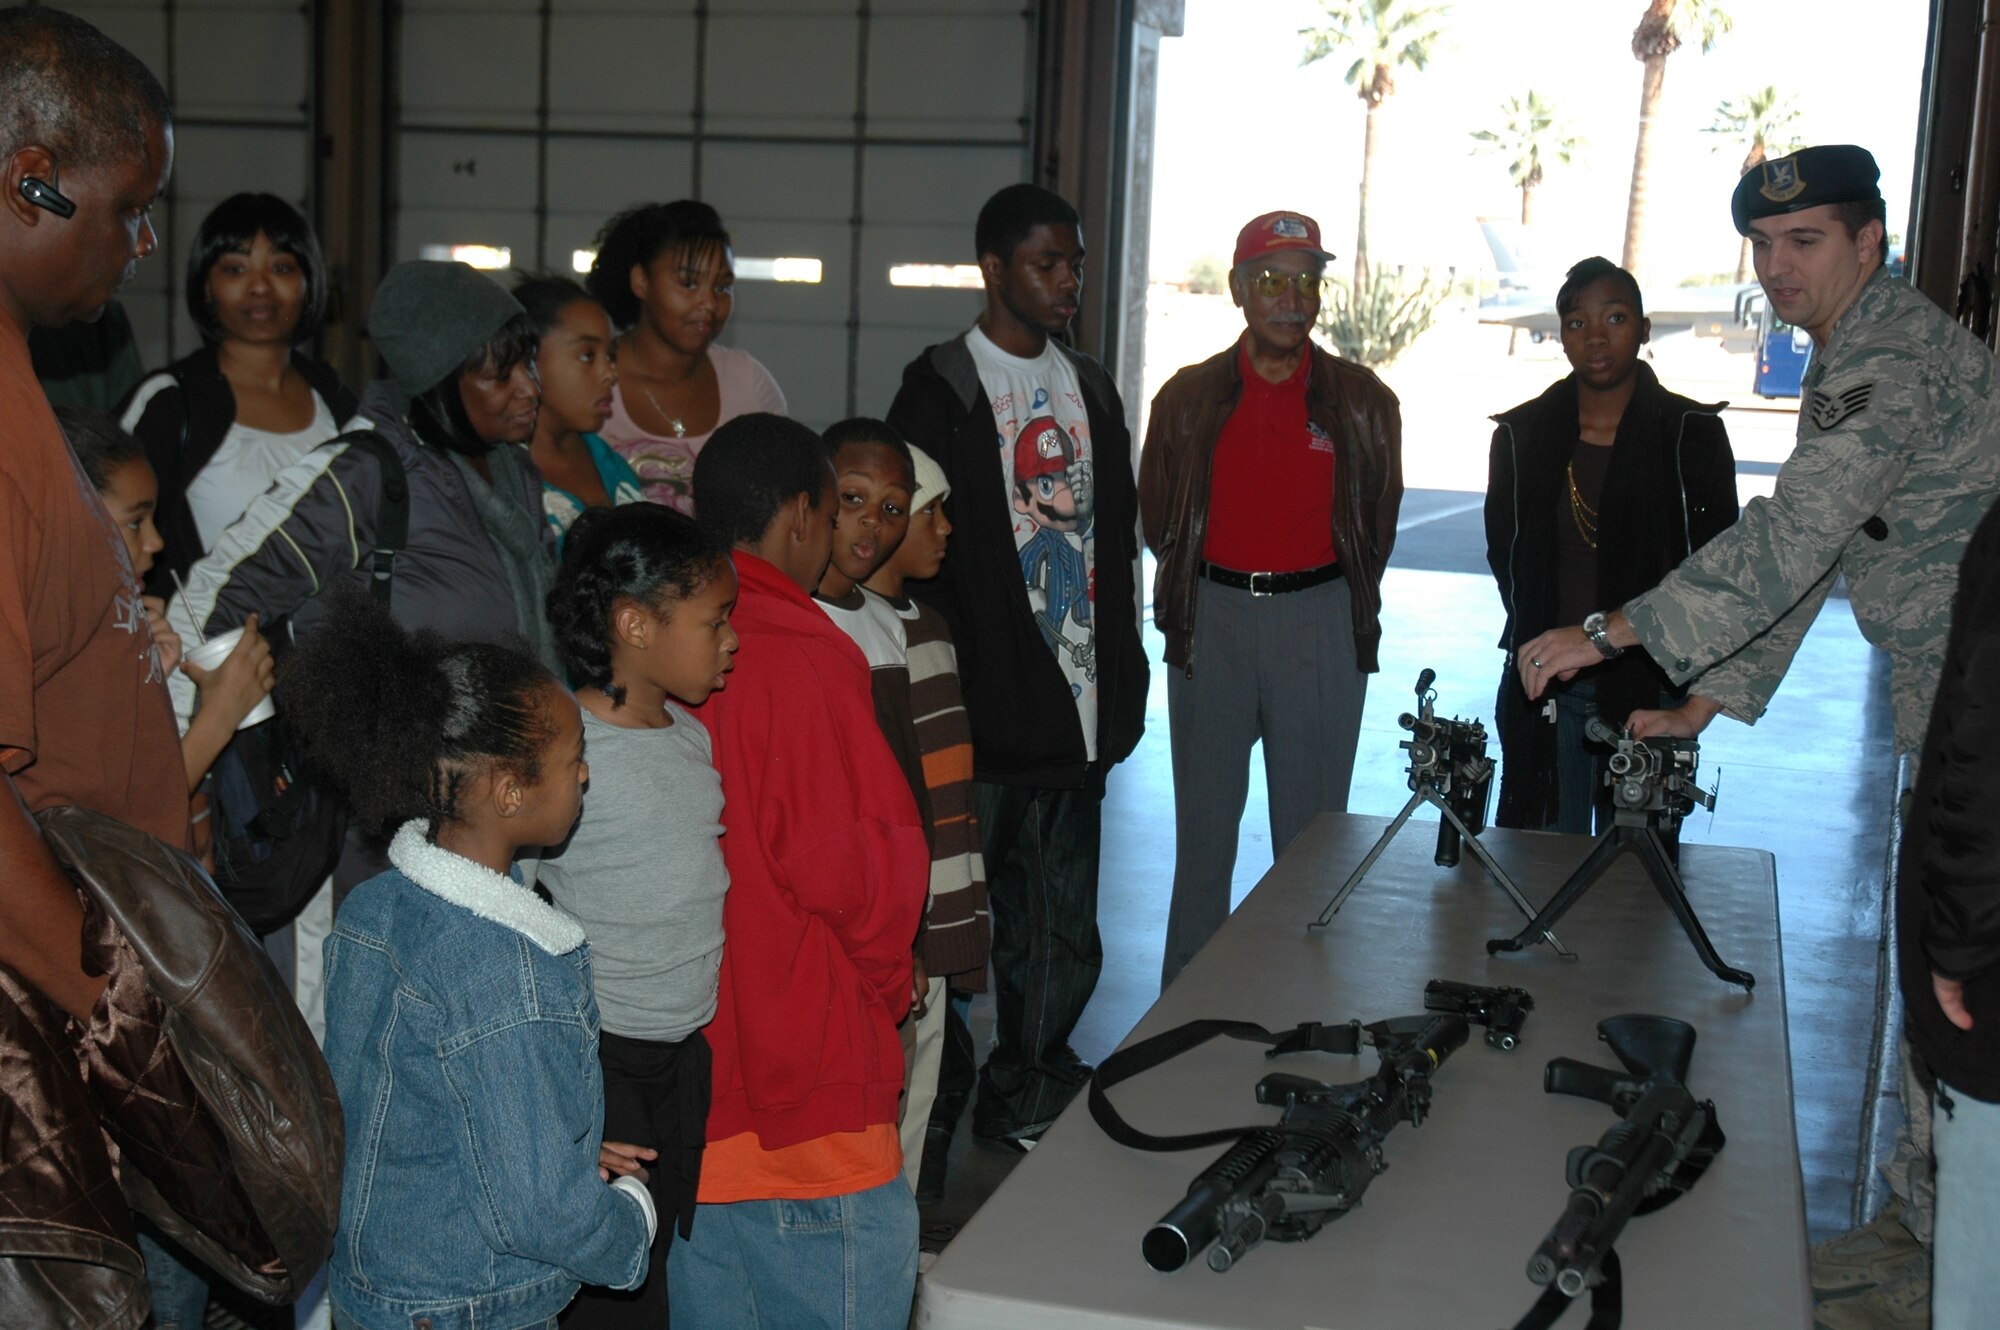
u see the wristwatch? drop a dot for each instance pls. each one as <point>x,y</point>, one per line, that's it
<point>1593,628</point>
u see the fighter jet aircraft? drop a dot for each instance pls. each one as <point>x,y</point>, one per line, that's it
<point>1527,295</point>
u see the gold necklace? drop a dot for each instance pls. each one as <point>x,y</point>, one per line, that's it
<point>680,429</point>
<point>1580,512</point>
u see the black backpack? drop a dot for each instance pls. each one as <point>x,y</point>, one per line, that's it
<point>278,834</point>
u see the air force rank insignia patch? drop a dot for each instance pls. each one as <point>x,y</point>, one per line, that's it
<point>1782,183</point>
<point>1829,409</point>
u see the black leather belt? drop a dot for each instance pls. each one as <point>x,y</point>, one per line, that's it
<point>1271,584</point>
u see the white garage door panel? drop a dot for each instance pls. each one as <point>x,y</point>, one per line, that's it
<point>782,74</point>
<point>468,171</point>
<point>809,365</point>
<point>952,77</point>
<point>631,72</point>
<point>884,353</point>
<point>937,186</point>
<point>235,60</point>
<point>948,8</point>
<point>823,302</point>
<point>210,164</point>
<point>477,65</point>
<point>779,180</point>
<point>418,227</point>
<point>597,178</point>
<point>764,128</point>
<point>567,11</point>
<point>241,61</point>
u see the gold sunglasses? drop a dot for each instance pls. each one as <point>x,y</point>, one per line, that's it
<point>1271,285</point>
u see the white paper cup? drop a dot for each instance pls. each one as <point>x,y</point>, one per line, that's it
<point>211,654</point>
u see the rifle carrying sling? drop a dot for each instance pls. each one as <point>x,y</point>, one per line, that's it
<point>1305,1037</point>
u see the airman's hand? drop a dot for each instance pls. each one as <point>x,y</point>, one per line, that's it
<point>1951,1000</point>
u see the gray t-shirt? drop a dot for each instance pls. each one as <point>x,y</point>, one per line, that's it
<point>644,874</point>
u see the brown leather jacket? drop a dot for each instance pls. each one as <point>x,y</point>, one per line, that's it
<point>1356,410</point>
<point>197,1072</point>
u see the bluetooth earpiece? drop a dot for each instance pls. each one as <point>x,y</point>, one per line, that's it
<point>47,197</point>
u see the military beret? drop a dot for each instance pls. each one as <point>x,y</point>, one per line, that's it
<point>1831,173</point>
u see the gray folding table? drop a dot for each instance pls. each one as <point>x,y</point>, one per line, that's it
<point>1443,1237</point>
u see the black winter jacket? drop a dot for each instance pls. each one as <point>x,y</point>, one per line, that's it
<point>1671,487</point>
<point>1948,887</point>
<point>1024,721</point>
<point>183,424</point>
<point>315,528</point>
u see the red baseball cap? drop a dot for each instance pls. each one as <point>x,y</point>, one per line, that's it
<point>1276,231</point>
<point>1041,449</point>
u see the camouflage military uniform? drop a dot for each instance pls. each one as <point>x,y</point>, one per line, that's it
<point>1898,457</point>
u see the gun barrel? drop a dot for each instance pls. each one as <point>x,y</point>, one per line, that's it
<point>1247,1226</point>
<point>1191,1225</point>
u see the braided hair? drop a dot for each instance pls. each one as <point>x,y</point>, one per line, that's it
<point>397,723</point>
<point>639,552</point>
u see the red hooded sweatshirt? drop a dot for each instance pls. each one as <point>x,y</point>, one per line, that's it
<point>828,872</point>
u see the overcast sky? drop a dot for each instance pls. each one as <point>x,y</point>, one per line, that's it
<point>1244,129</point>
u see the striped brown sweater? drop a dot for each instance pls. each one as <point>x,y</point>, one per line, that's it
<point>957,934</point>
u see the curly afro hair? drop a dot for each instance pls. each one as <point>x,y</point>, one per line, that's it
<point>397,723</point>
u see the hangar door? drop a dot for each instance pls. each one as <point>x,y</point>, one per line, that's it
<point>237,72</point>
<point>842,140</point>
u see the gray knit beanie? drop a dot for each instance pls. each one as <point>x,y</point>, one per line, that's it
<point>429,318</point>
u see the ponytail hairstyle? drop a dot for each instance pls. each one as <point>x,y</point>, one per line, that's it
<point>546,295</point>
<point>100,446</point>
<point>638,552</point>
<point>397,723</point>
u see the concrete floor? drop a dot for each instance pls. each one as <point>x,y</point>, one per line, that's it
<point>1813,783</point>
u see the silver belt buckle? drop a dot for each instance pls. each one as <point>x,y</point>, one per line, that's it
<point>1253,584</point>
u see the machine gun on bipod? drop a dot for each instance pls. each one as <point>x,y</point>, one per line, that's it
<point>1663,1143</point>
<point>1653,787</point>
<point>1283,1181</point>
<point>1449,771</point>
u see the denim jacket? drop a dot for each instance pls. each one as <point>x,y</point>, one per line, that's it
<point>462,1034</point>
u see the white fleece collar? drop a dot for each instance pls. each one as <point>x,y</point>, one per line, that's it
<point>490,895</point>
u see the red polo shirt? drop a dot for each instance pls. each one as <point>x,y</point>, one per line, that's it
<point>1270,500</point>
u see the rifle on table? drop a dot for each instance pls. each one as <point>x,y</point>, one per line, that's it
<point>1283,1181</point>
<point>1661,1147</point>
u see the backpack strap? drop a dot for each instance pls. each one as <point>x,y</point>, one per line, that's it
<point>392,519</point>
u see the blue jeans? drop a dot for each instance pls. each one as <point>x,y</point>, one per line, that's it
<point>1967,1141</point>
<point>341,1321</point>
<point>837,1263</point>
<point>1041,849</point>
<point>178,1281</point>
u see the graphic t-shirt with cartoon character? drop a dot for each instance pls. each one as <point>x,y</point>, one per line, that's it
<point>1042,433</point>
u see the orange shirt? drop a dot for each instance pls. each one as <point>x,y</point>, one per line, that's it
<point>84,714</point>
<point>739,1169</point>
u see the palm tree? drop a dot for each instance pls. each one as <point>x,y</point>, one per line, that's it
<point>1531,134</point>
<point>1385,35</point>
<point>1662,29</point>
<point>1766,123</point>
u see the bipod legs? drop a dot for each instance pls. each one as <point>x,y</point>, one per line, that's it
<point>1645,842</point>
<point>1422,795</point>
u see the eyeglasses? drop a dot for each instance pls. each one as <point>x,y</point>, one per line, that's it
<point>1271,285</point>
